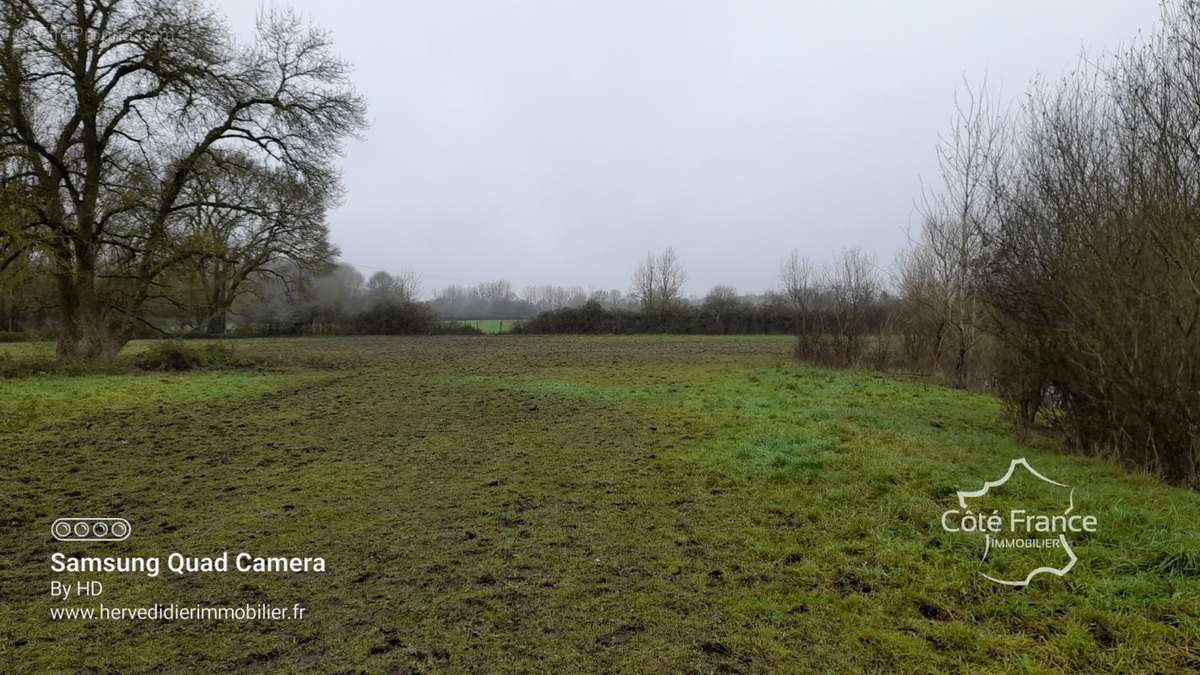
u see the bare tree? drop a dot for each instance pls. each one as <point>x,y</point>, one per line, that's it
<point>658,281</point>
<point>923,319</point>
<point>645,282</point>
<point>853,286</point>
<point>671,278</point>
<point>940,271</point>
<point>800,289</point>
<point>408,285</point>
<point>110,109</point>
<point>796,273</point>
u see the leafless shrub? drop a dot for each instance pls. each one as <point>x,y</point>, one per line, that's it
<point>1091,261</point>
<point>945,314</point>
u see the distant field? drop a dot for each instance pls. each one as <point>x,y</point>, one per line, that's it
<point>641,504</point>
<point>492,326</point>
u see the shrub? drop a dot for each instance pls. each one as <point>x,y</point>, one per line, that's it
<point>1089,258</point>
<point>174,356</point>
<point>591,319</point>
<point>393,317</point>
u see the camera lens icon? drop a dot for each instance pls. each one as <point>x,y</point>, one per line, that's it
<point>90,529</point>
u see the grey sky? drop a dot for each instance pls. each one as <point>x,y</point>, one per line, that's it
<point>556,142</point>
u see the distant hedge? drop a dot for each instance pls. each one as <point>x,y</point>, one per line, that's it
<point>594,319</point>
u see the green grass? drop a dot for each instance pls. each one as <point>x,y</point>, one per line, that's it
<point>39,403</point>
<point>639,504</point>
<point>491,326</point>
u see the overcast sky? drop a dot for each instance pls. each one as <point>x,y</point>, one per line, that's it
<point>556,142</point>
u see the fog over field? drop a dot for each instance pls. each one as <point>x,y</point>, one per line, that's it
<point>547,142</point>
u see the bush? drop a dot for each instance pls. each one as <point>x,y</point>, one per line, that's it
<point>391,317</point>
<point>590,319</point>
<point>1089,258</point>
<point>176,356</point>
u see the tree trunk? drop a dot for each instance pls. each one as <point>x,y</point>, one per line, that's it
<point>216,323</point>
<point>218,305</point>
<point>69,332</point>
<point>85,333</point>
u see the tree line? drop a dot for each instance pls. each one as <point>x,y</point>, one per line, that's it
<point>834,310</point>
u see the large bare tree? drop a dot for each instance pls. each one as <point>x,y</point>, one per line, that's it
<point>108,110</point>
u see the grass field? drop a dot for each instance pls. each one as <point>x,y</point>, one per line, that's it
<point>652,504</point>
<point>491,326</point>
